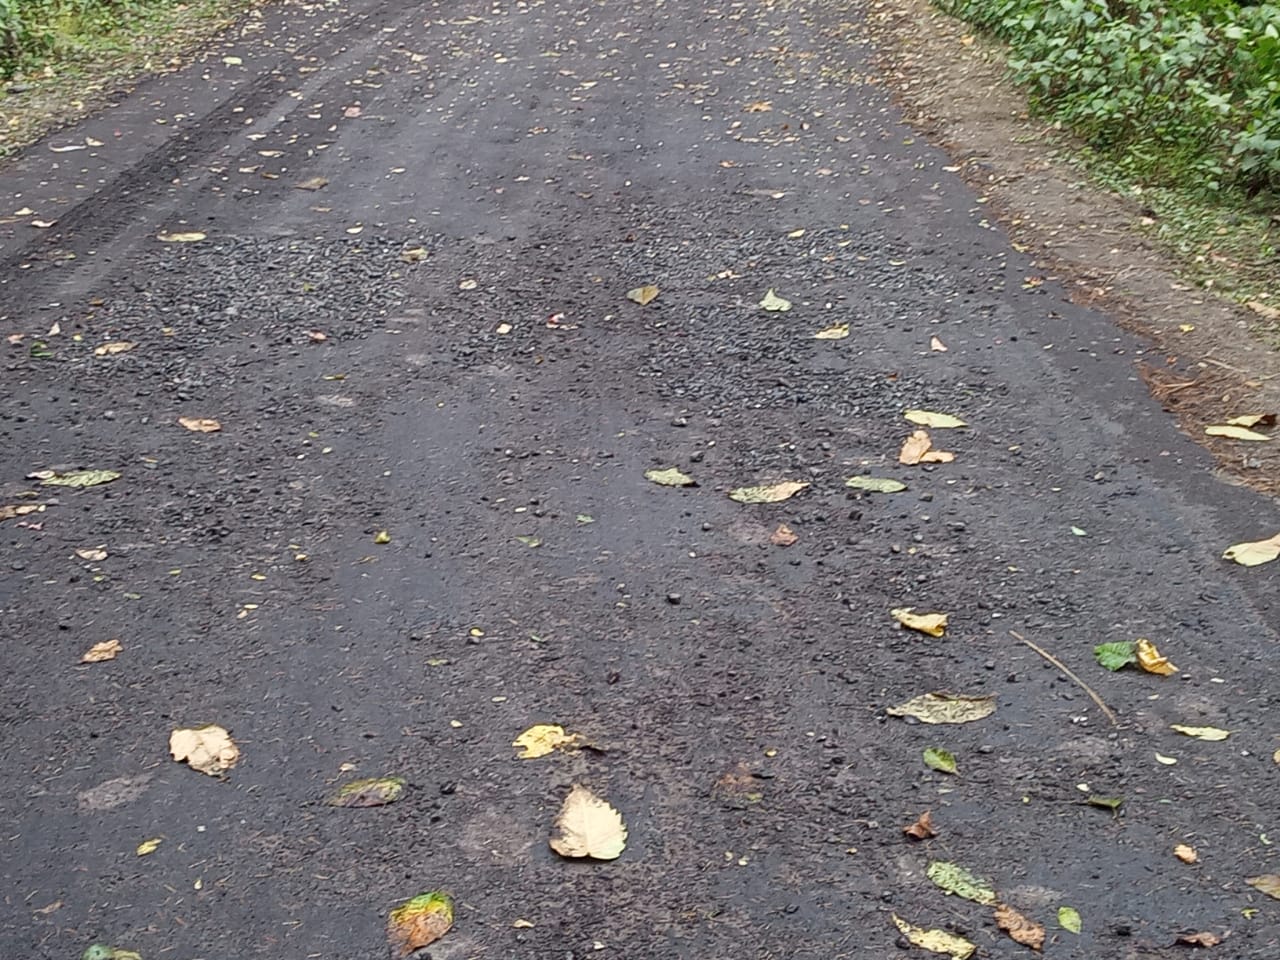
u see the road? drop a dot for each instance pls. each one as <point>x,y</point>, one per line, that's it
<point>409,316</point>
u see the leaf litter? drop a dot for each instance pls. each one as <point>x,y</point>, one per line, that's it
<point>1201,733</point>
<point>944,707</point>
<point>643,295</point>
<point>200,424</point>
<point>876,484</point>
<point>928,418</point>
<point>774,303</point>
<point>921,828</point>
<point>78,478</point>
<point>588,827</point>
<point>1069,919</point>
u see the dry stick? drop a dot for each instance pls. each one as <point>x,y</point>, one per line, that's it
<point>1067,670</point>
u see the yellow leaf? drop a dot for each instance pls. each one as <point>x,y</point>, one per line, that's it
<point>837,332</point>
<point>1255,552</point>
<point>934,624</point>
<point>149,846</point>
<point>643,295</point>
<point>190,236</point>
<point>759,106</point>
<point>589,827</point>
<point>796,234</point>
<point>943,707</point>
<point>774,303</point>
<point>106,650</point>
<point>414,254</point>
<point>92,554</point>
<point>1201,733</point>
<point>927,418</point>
<point>208,749</point>
<point>774,493</point>
<point>671,477</point>
<point>382,536</point>
<point>543,738</point>
<point>1149,659</point>
<point>1186,327</point>
<point>936,941</point>
<point>1253,419</point>
<point>1185,853</point>
<point>917,448</point>
<point>200,424</point>
<point>110,349</point>
<point>1235,432</point>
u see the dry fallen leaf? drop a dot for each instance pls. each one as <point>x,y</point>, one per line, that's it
<point>1149,659</point>
<point>1268,883</point>
<point>934,624</point>
<point>79,478</point>
<point>93,554</point>
<point>414,254</point>
<point>929,418</point>
<point>9,511</point>
<point>772,493</point>
<point>759,106</point>
<point>312,183</point>
<point>671,477</point>
<point>1202,939</point>
<point>917,448</point>
<point>936,941</point>
<point>200,424</point>
<point>111,349</point>
<point>943,707</point>
<point>1252,553</point>
<point>370,792</point>
<point>1235,432</point>
<point>149,846</point>
<point>922,828</point>
<point>643,295</point>
<point>837,332</point>
<point>1201,733</point>
<point>208,749</point>
<point>189,236</point>
<point>1022,929</point>
<point>588,827</point>
<point>938,345</point>
<point>419,922</point>
<point>1253,420</point>
<point>543,738</point>
<point>774,303</point>
<point>784,536</point>
<point>106,650</point>
<point>1185,853</point>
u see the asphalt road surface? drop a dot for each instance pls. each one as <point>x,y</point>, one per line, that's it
<point>409,316</point>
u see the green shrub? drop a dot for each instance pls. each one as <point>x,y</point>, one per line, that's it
<point>1176,91</point>
<point>33,30</point>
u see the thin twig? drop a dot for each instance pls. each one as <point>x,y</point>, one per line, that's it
<point>1067,670</point>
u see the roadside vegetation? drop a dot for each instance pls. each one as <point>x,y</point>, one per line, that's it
<point>1179,105</point>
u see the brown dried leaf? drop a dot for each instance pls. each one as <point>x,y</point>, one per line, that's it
<point>106,650</point>
<point>1268,883</point>
<point>922,829</point>
<point>200,424</point>
<point>918,448</point>
<point>10,510</point>
<point>313,183</point>
<point>1022,929</point>
<point>784,536</point>
<point>1185,853</point>
<point>1202,939</point>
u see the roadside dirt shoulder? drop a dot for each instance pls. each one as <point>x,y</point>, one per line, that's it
<point>951,85</point>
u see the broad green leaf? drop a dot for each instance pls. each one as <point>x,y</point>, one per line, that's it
<point>943,707</point>
<point>1069,919</point>
<point>372,792</point>
<point>1113,656</point>
<point>671,477</point>
<point>81,478</point>
<point>774,303</point>
<point>956,880</point>
<point>1106,803</point>
<point>774,493</point>
<point>944,761</point>
<point>876,484</point>
<point>419,922</point>
<point>928,418</point>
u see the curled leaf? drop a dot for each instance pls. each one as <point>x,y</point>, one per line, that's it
<point>784,536</point>
<point>1150,660</point>
<point>208,749</point>
<point>774,303</point>
<point>1201,939</point>
<point>100,951</point>
<point>149,846</point>
<point>921,828</point>
<point>773,493</point>
<point>419,922</point>
<point>943,707</point>
<point>114,347</point>
<point>370,792</point>
<point>1253,420</point>
<point>10,511</point>
<point>944,761</point>
<point>588,827</point>
<point>918,448</point>
<point>933,624</point>
<point>1186,853</point>
<point>1268,883</point>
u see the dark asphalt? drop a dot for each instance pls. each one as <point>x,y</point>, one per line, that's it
<point>550,156</point>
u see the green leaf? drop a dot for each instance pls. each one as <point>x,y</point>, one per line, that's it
<point>929,418</point>
<point>774,303</point>
<point>1113,656</point>
<point>585,518</point>
<point>671,477</point>
<point>1106,803</point>
<point>40,351</point>
<point>530,541</point>
<point>955,879</point>
<point>941,760</point>
<point>100,951</point>
<point>944,707</point>
<point>81,478</point>
<point>1069,919</point>
<point>372,792</point>
<point>876,484</point>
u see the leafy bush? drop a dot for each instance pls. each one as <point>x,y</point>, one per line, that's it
<point>1178,91</point>
<point>33,30</point>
